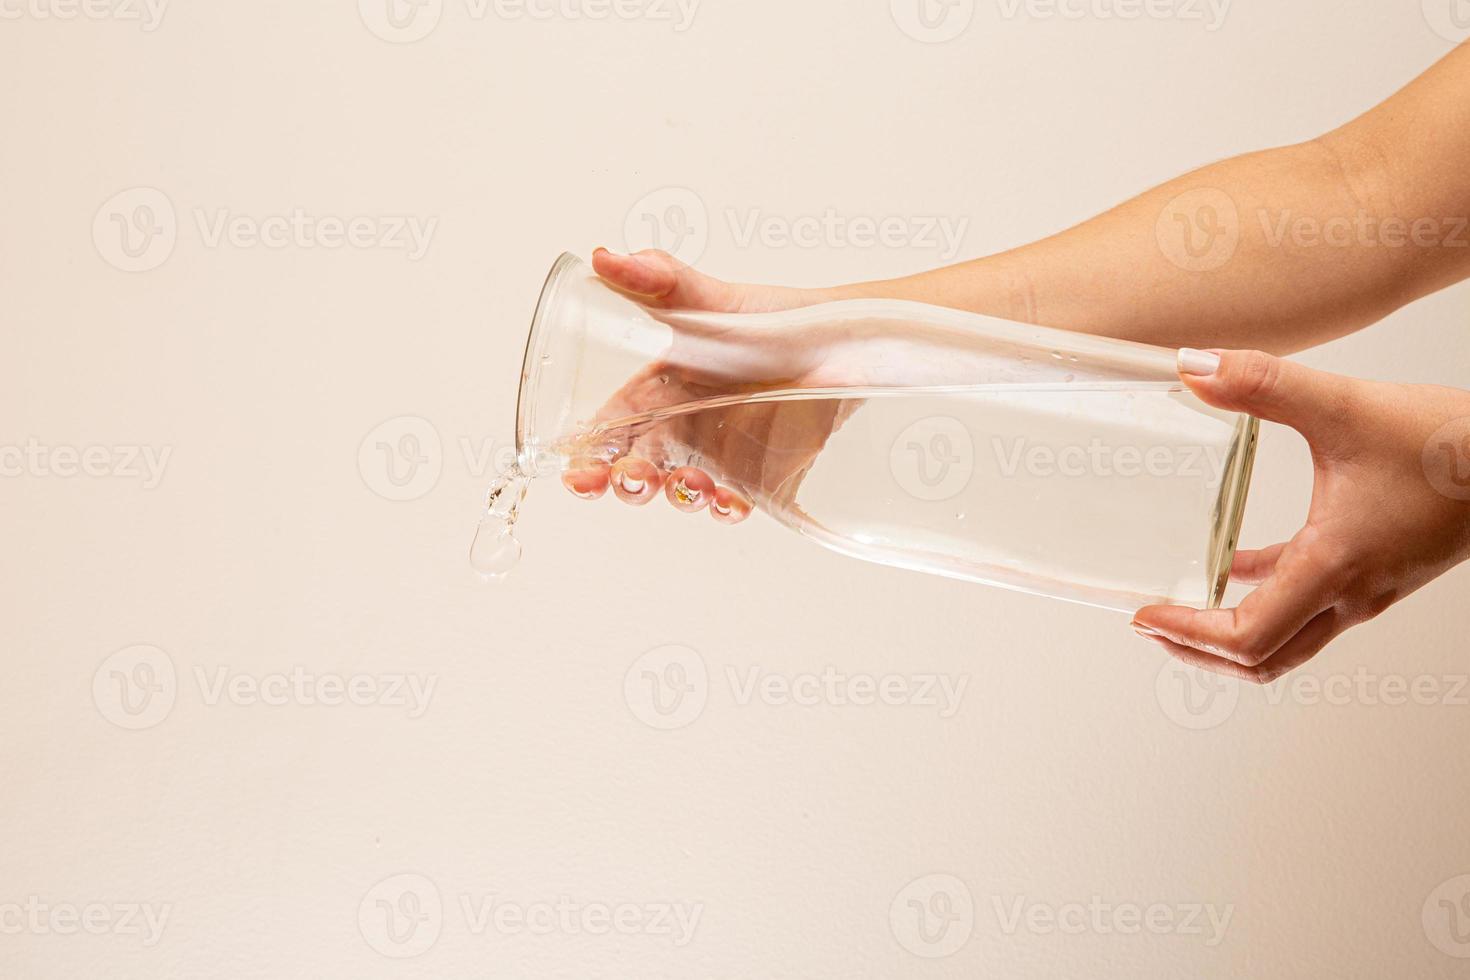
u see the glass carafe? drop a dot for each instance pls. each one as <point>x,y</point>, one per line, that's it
<point>1035,459</point>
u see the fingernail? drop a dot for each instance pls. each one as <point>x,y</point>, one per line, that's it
<point>1200,362</point>
<point>1145,632</point>
<point>633,486</point>
<point>687,494</point>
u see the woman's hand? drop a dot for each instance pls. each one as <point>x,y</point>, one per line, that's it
<point>1390,512</point>
<point>754,449</point>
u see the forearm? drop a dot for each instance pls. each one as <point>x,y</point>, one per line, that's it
<point>1277,250</point>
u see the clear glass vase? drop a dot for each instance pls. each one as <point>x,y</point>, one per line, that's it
<point>1050,462</point>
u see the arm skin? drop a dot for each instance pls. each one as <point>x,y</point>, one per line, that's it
<point>1116,274</point>
<point>1390,505</point>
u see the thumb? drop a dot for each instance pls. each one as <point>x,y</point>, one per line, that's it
<point>662,280</point>
<point>1271,388</point>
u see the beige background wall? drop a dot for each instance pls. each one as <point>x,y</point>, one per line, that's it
<point>1078,779</point>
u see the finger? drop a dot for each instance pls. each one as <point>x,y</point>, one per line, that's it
<point>658,276</point>
<point>587,478</point>
<point>689,489</point>
<point>1254,567</point>
<point>645,276</point>
<point>1309,642</point>
<point>1315,403</point>
<point>730,506</point>
<point>1297,590</point>
<point>635,480</point>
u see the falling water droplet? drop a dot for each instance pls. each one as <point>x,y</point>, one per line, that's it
<point>495,549</point>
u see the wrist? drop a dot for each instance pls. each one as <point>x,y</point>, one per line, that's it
<point>993,286</point>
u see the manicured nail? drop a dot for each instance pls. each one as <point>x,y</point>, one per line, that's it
<point>1145,632</point>
<point>1200,362</point>
<point>689,489</point>
<point>633,486</point>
